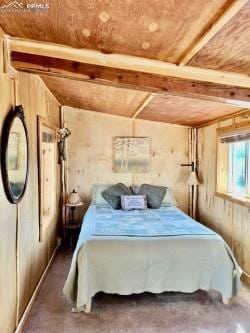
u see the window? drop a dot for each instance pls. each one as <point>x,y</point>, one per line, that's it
<point>233,162</point>
<point>47,174</point>
<point>238,168</point>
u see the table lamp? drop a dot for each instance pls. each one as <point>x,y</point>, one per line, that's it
<point>74,201</point>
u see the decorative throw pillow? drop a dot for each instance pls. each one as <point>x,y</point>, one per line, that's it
<point>130,202</point>
<point>113,194</point>
<point>155,194</point>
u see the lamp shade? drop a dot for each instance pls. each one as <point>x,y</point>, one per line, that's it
<point>74,199</point>
<point>193,179</point>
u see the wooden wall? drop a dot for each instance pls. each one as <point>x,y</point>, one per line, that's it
<point>22,258</point>
<point>229,219</point>
<point>7,225</point>
<point>91,155</point>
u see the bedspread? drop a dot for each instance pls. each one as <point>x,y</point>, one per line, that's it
<point>124,261</point>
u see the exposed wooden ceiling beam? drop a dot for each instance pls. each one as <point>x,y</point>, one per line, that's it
<point>226,16</point>
<point>10,71</point>
<point>125,62</point>
<point>146,101</point>
<point>223,118</point>
<point>42,65</point>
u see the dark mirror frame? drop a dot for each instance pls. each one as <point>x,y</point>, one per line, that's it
<point>17,112</point>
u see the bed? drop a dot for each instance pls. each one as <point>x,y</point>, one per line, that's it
<point>153,250</point>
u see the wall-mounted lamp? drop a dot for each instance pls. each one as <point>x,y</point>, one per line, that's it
<point>192,178</point>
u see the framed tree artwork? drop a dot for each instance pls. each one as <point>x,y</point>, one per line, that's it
<point>47,165</point>
<point>131,154</point>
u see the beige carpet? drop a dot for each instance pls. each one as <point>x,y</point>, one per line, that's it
<point>145,313</point>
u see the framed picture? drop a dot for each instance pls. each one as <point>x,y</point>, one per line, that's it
<point>131,154</point>
<point>47,165</point>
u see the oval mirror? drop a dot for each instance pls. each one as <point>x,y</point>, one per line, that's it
<point>15,155</point>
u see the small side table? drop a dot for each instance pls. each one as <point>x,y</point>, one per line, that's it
<point>73,230</point>
<point>73,227</point>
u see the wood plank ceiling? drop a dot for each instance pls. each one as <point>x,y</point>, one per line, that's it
<point>154,29</point>
<point>95,97</point>
<point>184,111</point>
<point>229,50</point>
<point>126,102</point>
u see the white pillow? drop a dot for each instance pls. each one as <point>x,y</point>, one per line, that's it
<point>169,199</point>
<point>97,198</point>
<point>130,202</point>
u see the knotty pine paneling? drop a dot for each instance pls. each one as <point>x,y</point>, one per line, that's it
<point>22,258</point>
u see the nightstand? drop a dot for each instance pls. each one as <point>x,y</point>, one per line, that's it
<point>73,227</point>
<point>73,232</point>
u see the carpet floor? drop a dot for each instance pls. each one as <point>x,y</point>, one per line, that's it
<point>144,313</point>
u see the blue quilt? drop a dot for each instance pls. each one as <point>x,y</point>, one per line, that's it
<point>166,221</point>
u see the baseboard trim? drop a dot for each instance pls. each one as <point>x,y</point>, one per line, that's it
<point>35,293</point>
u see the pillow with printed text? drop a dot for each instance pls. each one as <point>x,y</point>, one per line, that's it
<point>130,202</point>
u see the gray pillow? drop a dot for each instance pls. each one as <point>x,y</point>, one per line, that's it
<point>134,189</point>
<point>155,194</point>
<point>113,195</point>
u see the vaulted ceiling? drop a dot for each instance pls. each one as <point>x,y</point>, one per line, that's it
<point>229,50</point>
<point>209,34</point>
<point>126,102</point>
<point>185,111</point>
<point>96,97</point>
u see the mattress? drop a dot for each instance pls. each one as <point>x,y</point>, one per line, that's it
<point>150,250</point>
